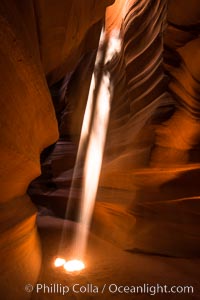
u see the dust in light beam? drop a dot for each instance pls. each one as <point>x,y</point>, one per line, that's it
<point>94,128</point>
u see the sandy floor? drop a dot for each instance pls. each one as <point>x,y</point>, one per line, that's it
<point>107,264</point>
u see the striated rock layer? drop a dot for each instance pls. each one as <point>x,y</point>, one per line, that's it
<point>153,140</point>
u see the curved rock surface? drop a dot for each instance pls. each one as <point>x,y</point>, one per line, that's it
<point>153,138</point>
<point>40,41</point>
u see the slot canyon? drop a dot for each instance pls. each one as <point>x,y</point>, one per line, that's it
<point>145,225</point>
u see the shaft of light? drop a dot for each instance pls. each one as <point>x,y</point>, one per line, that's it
<point>85,130</point>
<point>94,129</point>
<point>93,163</point>
<point>83,138</point>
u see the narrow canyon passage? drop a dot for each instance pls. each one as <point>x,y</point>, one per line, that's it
<point>143,221</point>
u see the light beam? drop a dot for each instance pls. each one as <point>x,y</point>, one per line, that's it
<point>94,128</point>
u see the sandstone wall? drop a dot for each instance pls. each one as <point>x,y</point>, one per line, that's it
<point>153,140</point>
<point>38,39</point>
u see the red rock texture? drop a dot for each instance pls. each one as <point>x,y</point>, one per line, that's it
<point>40,41</point>
<point>153,137</point>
